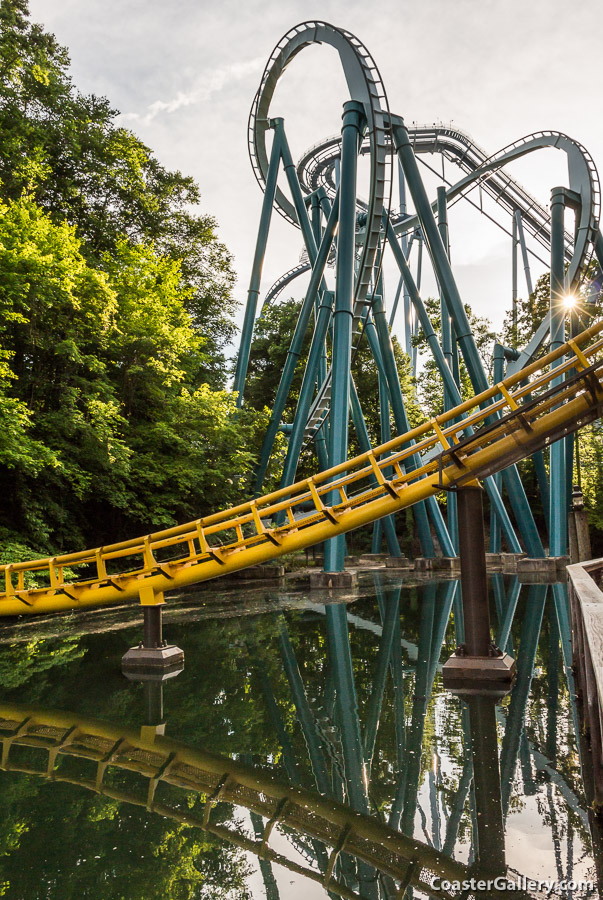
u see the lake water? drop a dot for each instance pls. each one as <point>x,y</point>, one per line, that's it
<point>104,794</point>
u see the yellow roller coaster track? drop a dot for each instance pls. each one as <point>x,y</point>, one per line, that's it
<point>481,436</point>
<point>103,749</point>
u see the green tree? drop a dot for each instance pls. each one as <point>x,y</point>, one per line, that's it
<point>66,151</point>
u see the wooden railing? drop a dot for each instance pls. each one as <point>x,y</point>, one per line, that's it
<point>586,606</point>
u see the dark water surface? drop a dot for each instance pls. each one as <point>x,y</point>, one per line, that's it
<point>95,803</point>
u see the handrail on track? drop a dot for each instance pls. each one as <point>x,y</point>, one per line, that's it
<point>353,493</point>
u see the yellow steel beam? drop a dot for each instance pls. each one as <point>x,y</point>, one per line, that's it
<point>231,540</point>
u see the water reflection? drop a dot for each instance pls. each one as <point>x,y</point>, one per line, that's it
<point>352,769</point>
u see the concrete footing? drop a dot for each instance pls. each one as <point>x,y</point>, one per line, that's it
<point>152,658</point>
<point>447,564</point>
<point>332,580</point>
<point>372,559</point>
<point>423,564</point>
<point>542,569</point>
<point>510,561</point>
<point>494,560</point>
<point>472,674</point>
<point>397,562</point>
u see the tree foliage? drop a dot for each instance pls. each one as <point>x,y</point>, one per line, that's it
<point>115,311</point>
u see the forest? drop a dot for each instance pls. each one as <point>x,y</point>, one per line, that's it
<point>117,305</point>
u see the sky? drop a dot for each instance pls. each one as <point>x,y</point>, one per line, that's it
<point>183,76</point>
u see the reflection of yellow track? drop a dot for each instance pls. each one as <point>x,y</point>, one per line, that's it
<point>340,499</point>
<point>102,747</point>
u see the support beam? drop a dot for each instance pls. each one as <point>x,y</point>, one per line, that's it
<point>443,271</point>
<point>256,270</point>
<point>478,664</point>
<point>295,348</point>
<point>558,493</point>
<point>152,654</point>
<point>353,118</point>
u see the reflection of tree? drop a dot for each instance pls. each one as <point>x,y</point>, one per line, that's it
<point>19,664</point>
<point>98,848</point>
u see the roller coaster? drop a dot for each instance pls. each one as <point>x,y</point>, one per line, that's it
<point>540,401</point>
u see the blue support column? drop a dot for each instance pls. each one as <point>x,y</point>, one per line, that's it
<point>343,314</point>
<point>401,419</point>
<point>256,270</point>
<point>457,312</point>
<point>451,505</point>
<point>524,252</point>
<point>295,348</point>
<point>402,425</point>
<point>495,531</point>
<point>448,378</point>
<point>304,401</point>
<point>558,494</point>
<point>514,240</point>
<point>388,522</point>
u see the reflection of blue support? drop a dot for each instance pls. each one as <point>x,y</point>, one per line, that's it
<point>530,633</point>
<point>503,637</point>
<point>561,600</point>
<point>270,885</point>
<point>419,708</point>
<point>343,314</point>
<point>383,661</point>
<point>525,760</point>
<point>256,271</point>
<point>553,691</point>
<point>460,797</point>
<point>448,591</point>
<point>397,674</point>
<point>340,658</point>
<point>291,765</point>
<point>434,802</point>
<point>304,713</point>
<point>458,315</point>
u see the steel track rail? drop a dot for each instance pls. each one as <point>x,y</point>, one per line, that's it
<point>332,502</point>
<point>315,169</point>
<point>365,85</point>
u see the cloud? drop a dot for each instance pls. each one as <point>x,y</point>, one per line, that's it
<point>208,85</point>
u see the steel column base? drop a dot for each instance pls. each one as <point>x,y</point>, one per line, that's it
<point>152,654</point>
<point>466,675</point>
